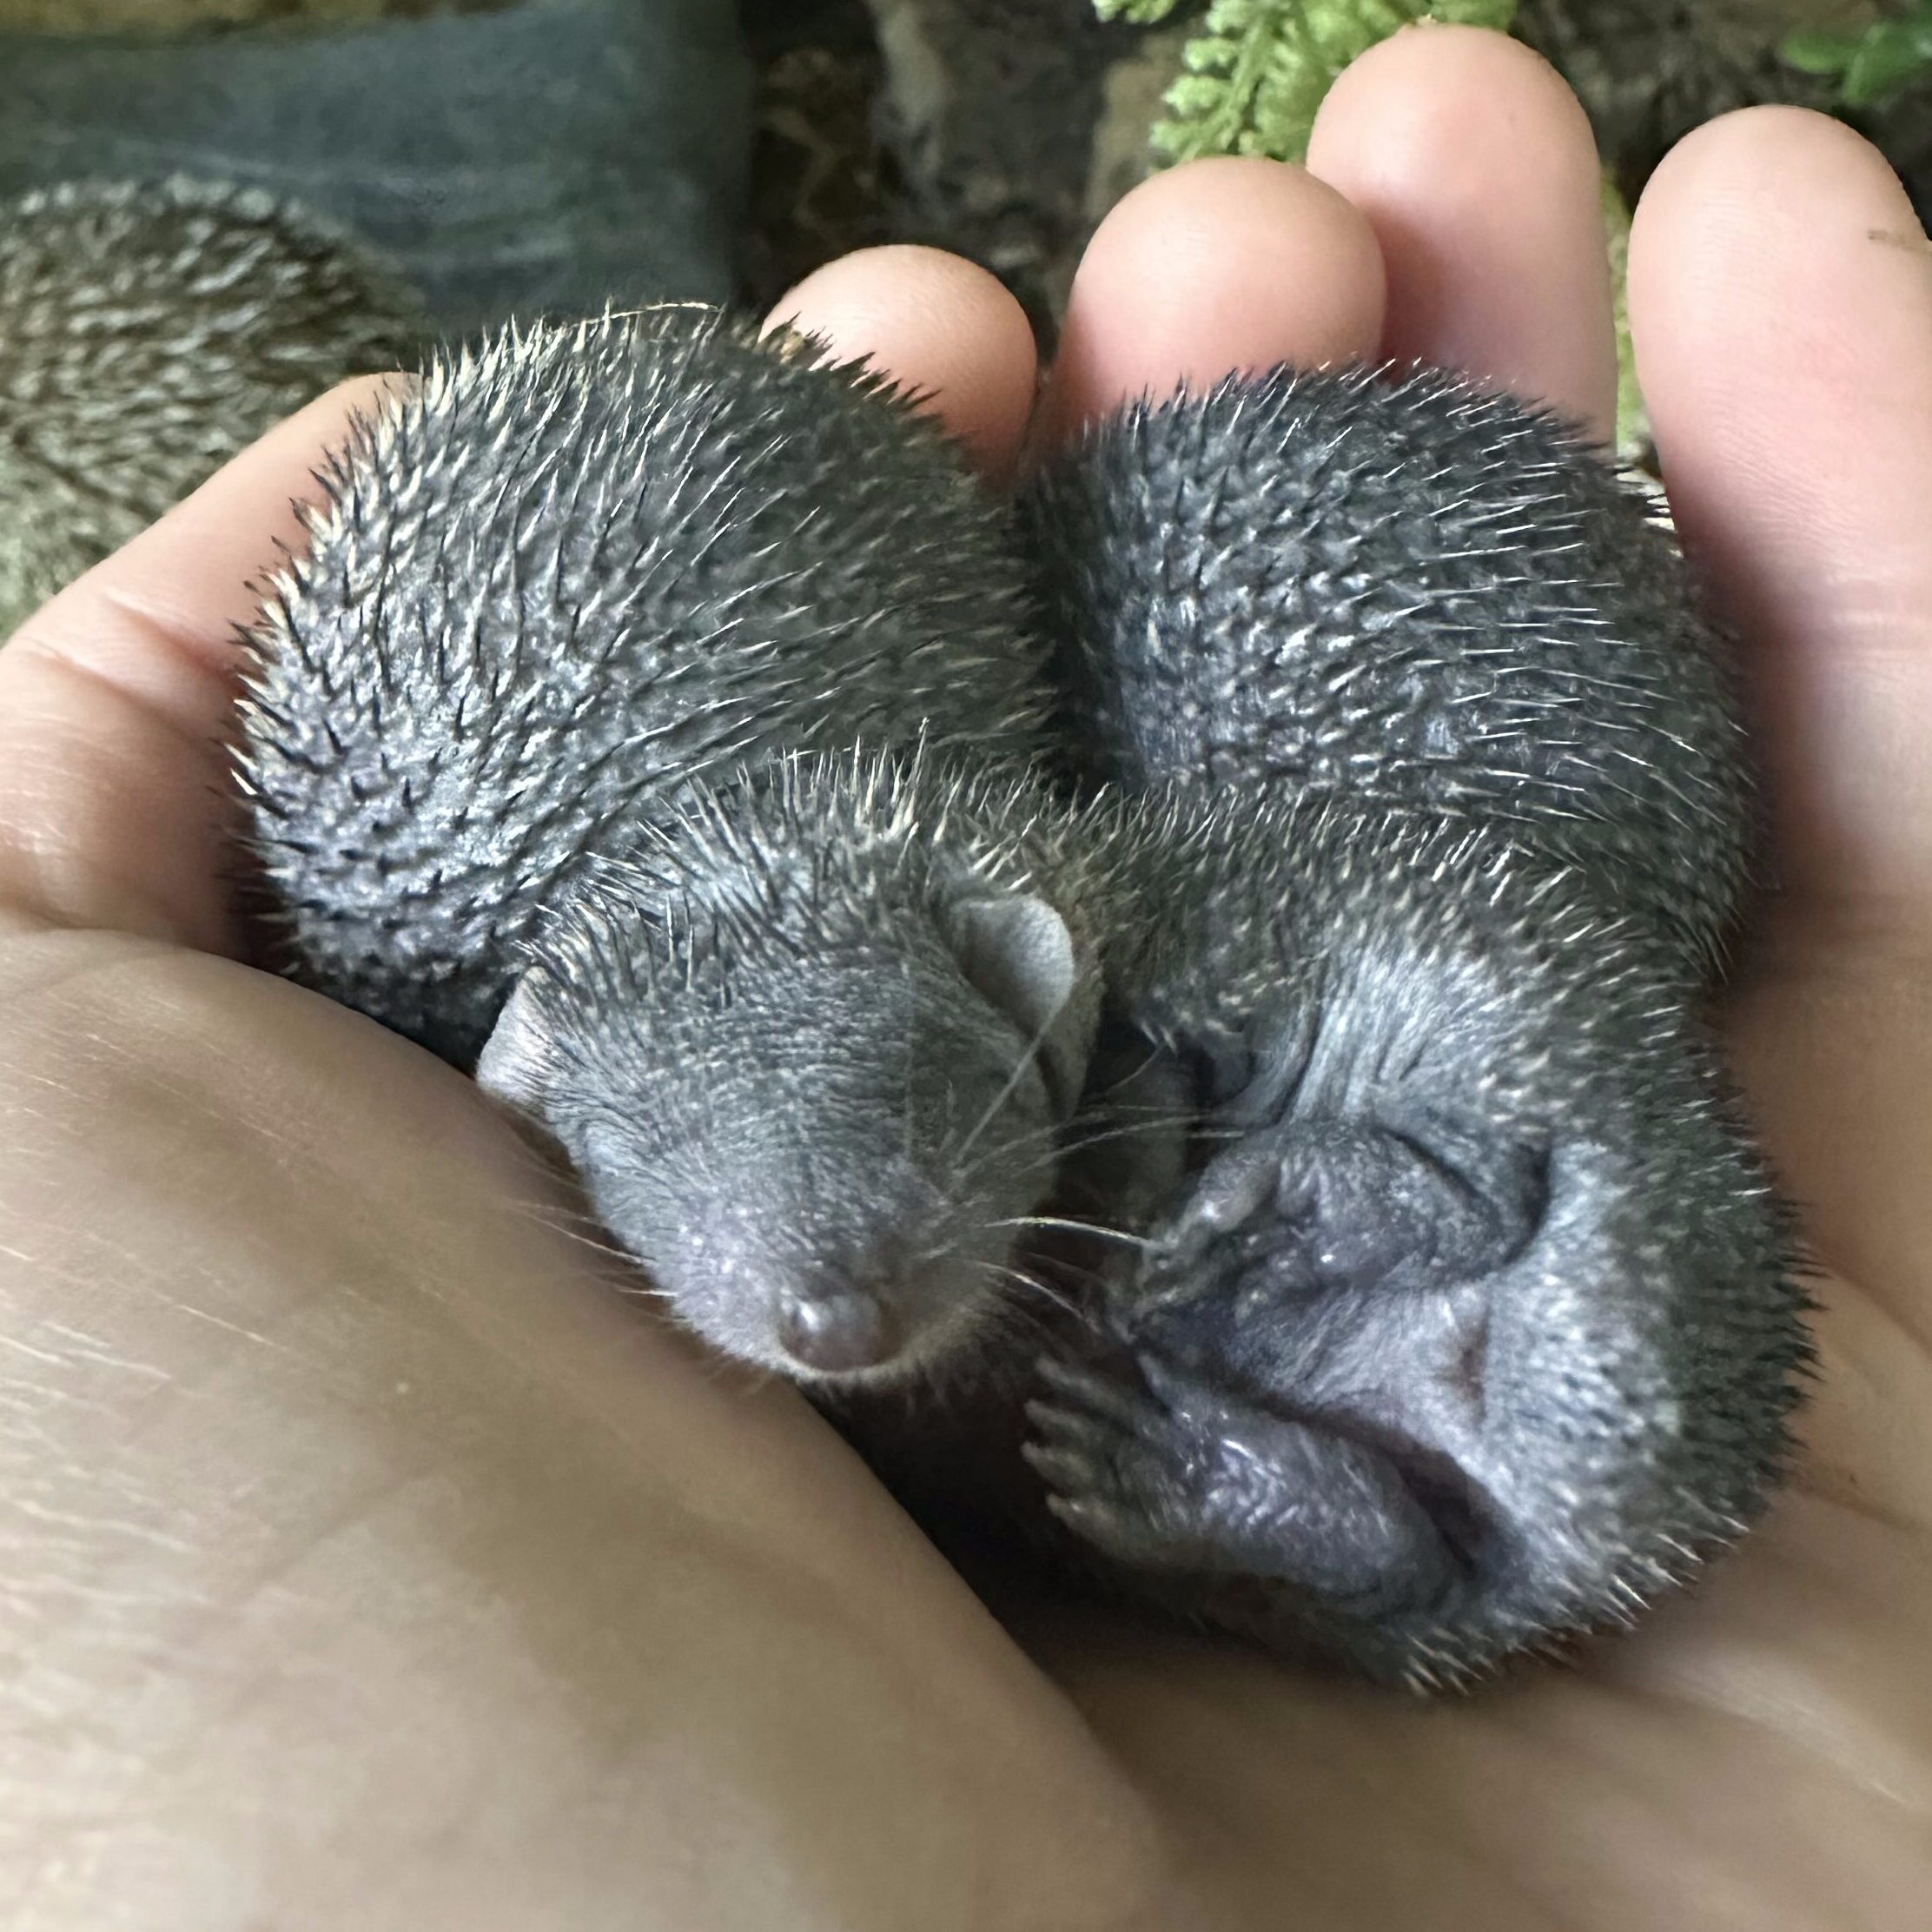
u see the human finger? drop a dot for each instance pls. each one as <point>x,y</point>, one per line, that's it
<point>1475,167</point>
<point>936,325</point>
<point>1780,303</point>
<point>1211,267</point>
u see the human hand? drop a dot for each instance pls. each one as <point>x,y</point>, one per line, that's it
<point>371,1564</point>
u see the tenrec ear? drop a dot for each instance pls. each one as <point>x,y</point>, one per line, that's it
<point>515,1057</point>
<point>1018,952</point>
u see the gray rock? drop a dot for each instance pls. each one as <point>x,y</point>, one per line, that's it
<point>542,160</point>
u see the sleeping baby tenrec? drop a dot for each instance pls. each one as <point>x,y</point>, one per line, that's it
<point>647,726</point>
<point>1473,1320</point>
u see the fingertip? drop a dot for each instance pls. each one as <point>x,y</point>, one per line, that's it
<point>1780,305</point>
<point>937,324</point>
<point>1444,65</point>
<point>1790,139</point>
<point>1211,267</point>
<point>1475,166</point>
<point>1775,244</point>
<point>1763,176</point>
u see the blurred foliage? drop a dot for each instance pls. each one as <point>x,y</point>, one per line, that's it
<point>1253,77</point>
<point>1633,421</point>
<point>1874,65</point>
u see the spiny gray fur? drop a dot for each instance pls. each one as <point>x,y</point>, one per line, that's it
<point>569,576</point>
<point>546,711</point>
<point>148,333</point>
<point>762,988</point>
<point>1474,1322</point>
<point>1421,591</point>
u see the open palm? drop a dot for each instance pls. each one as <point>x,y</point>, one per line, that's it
<point>370,1563</point>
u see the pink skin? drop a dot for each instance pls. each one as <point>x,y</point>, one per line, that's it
<point>1515,289</point>
<point>368,1563</point>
